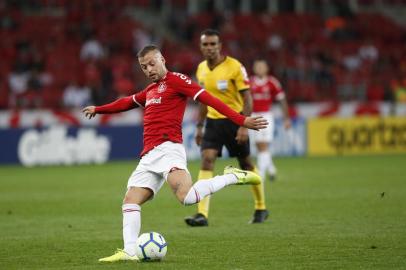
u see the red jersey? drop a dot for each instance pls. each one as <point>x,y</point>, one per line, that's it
<point>264,91</point>
<point>165,102</point>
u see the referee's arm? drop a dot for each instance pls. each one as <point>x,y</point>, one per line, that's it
<point>242,133</point>
<point>247,98</point>
<point>201,117</point>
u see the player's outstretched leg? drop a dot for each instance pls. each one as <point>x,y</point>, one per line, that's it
<point>203,188</point>
<point>232,176</point>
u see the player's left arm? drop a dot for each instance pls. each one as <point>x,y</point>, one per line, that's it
<point>191,89</point>
<point>255,123</point>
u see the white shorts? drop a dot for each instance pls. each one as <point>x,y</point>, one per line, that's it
<point>263,135</point>
<point>154,167</point>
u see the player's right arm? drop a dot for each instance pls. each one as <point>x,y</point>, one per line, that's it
<point>119,105</point>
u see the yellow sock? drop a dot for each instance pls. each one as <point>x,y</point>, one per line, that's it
<point>203,205</point>
<point>259,195</point>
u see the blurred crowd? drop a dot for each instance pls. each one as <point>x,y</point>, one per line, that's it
<point>67,54</point>
<point>350,58</point>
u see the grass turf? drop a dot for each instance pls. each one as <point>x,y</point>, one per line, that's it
<point>326,213</point>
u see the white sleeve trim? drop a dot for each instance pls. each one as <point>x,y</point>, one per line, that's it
<point>198,93</point>
<point>139,104</point>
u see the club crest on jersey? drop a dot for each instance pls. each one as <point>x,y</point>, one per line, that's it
<point>161,87</point>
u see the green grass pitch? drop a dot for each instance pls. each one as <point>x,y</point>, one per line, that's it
<point>326,213</point>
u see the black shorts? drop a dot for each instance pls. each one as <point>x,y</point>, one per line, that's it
<point>222,132</point>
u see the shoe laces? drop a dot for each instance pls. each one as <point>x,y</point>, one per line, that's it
<point>119,250</point>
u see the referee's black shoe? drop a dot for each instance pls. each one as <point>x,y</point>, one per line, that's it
<point>198,220</point>
<point>259,216</point>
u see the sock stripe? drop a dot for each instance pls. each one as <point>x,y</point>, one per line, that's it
<point>174,169</point>
<point>130,210</point>
<point>197,195</point>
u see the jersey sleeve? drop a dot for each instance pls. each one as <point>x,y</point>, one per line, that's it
<point>276,88</point>
<point>186,86</point>
<point>219,106</point>
<point>242,81</point>
<point>140,98</point>
<point>120,105</point>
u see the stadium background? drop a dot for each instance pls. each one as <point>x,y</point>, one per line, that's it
<point>341,189</point>
<point>334,59</point>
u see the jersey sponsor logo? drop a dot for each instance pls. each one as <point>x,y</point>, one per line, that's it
<point>161,87</point>
<point>183,77</point>
<point>153,101</point>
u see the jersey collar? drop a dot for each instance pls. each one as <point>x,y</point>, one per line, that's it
<point>163,78</point>
<point>221,62</point>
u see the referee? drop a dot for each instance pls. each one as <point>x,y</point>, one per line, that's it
<point>225,78</point>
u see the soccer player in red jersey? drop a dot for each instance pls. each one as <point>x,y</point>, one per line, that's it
<point>265,89</point>
<point>163,157</point>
